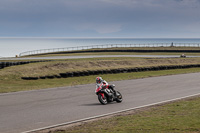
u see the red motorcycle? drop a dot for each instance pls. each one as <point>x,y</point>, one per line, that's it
<point>107,94</point>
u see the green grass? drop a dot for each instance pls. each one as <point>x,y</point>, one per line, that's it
<point>10,77</point>
<point>61,66</point>
<point>181,116</point>
<point>12,83</point>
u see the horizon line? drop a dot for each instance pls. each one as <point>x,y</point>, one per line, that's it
<point>99,37</point>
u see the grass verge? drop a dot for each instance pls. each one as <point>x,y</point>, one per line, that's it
<point>180,116</point>
<point>9,85</point>
<point>62,66</point>
<point>10,77</point>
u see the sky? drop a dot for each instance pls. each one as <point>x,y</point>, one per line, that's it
<point>100,18</point>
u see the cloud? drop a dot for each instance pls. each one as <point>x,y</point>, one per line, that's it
<point>96,17</point>
<point>154,3</point>
<point>188,3</point>
<point>100,28</point>
<point>108,28</point>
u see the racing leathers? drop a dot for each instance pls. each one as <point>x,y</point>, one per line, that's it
<point>103,84</point>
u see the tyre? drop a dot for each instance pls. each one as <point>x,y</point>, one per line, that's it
<point>102,100</point>
<point>119,97</point>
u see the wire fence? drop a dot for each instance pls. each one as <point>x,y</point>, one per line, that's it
<point>67,49</point>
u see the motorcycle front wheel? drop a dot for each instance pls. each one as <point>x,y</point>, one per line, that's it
<point>119,97</point>
<point>102,100</point>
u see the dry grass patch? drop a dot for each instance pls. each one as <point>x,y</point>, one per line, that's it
<point>56,67</point>
<point>10,77</point>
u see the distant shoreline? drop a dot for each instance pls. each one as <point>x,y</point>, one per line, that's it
<point>95,38</point>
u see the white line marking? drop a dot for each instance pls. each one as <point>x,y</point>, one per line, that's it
<point>89,118</point>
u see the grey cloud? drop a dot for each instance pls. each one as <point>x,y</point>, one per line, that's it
<point>42,17</point>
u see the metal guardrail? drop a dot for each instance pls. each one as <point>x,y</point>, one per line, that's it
<point>66,49</point>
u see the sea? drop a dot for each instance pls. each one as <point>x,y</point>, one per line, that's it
<point>10,47</point>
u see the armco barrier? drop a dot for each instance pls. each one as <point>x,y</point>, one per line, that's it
<point>112,71</point>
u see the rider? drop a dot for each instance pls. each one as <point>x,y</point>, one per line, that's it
<point>100,83</point>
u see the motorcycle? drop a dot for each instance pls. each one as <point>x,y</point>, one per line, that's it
<point>108,95</point>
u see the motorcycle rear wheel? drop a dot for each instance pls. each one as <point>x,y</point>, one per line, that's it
<point>119,97</point>
<point>102,100</point>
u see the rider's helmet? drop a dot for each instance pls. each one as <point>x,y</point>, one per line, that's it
<point>99,80</point>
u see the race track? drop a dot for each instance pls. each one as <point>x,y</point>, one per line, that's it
<point>93,56</point>
<point>29,110</point>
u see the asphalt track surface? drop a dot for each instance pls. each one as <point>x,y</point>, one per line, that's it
<point>93,56</point>
<point>29,110</point>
